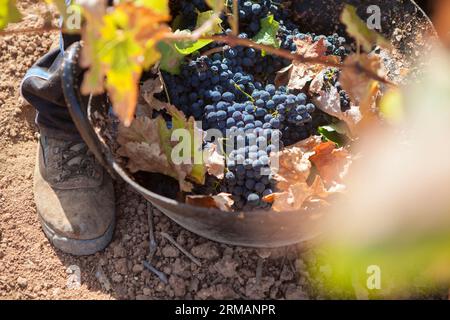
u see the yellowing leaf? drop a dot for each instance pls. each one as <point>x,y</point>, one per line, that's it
<point>120,46</point>
<point>8,13</point>
<point>146,149</point>
<point>362,90</point>
<point>160,6</point>
<point>358,29</point>
<point>216,5</point>
<point>204,17</point>
<point>208,23</point>
<point>391,106</point>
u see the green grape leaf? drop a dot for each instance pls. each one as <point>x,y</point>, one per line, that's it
<point>359,31</point>
<point>189,47</point>
<point>333,133</point>
<point>171,59</point>
<point>268,33</point>
<point>216,22</point>
<point>8,13</point>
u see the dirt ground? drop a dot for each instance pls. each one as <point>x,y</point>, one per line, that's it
<point>32,269</point>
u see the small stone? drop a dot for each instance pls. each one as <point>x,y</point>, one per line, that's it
<point>121,266</point>
<point>170,252</point>
<point>256,291</point>
<point>294,292</point>
<point>22,282</point>
<point>206,251</point>
<point>226,267</point>
<point>147,292</point>
<point>117,278</point>
<point>286,274</point>
<point>138,268</point>
<point>103,279</point>
<point>119,251</point>
<point>178,285</point>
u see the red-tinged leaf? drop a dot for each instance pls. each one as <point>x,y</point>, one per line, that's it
<point>331,163</point>
<point>222,201</point>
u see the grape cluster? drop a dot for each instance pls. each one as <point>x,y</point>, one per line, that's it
<point>335,44</point>
<point>233,92</point>
<point>331,78</point>
<point>251,12</point>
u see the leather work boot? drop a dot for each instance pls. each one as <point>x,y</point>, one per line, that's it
<point>74,197</point>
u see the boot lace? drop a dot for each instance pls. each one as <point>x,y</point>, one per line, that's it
<point>77,161</point>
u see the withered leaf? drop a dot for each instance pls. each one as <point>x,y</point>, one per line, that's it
<point>302,73</point>
<point>148,90</point>
<point>222,201</point>
<point>331,162</point>
<point>293,190</point>
<point>329,101</point>
<point>143,145</point>
<point>362,89</point>
<point>214,161</point>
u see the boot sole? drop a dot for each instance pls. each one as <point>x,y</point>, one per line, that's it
<point>78,247</point>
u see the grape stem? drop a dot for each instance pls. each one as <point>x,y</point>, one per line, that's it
<point>236,41</point>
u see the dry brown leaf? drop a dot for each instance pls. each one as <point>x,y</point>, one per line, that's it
<point>329,101</point>
<point>141,143</point>
<point>442,21</point>
<point>222,201</point>
<point>214,161</point>
<point>294,171</point>
<point>301,73</point>
<point>363,91</point>
<point>331,163</point>
<point>148,90</point>
<point>357,83</point>
<point>292,176</point>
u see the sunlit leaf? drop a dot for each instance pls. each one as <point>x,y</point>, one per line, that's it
<point>391,106</point>
<point>160,6</point>
<point>120,46</point>
<point>330,133</point>
<point>216,5</point>
<point>211,24</point>
<point>268,33</point>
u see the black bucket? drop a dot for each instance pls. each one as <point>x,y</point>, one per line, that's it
<point>403,22</point>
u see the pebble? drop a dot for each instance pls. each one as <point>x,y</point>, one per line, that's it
<point>206,251</point>
<point>170,252</point>
<point>22,282</point>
